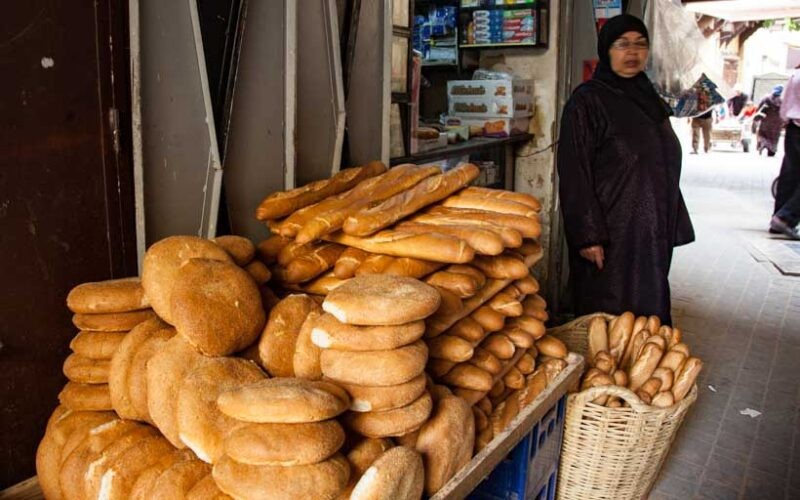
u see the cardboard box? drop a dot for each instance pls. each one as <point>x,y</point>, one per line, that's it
<point>519,89</point>
<point>493,127</point>
<point>485,107</point>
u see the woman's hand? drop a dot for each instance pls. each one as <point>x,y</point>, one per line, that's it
<point>595,255</point>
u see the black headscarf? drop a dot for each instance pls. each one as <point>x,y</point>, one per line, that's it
<point>639,88</point>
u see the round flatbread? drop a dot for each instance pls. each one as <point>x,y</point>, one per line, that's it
<point>377,368</point>
<point>111,296</point>
<point>285,444</point>
<point>380,299</point>
<point>138,437</point>
<point>391,423</point>
<point>330,333</point>
<point>324,480</point>
<point>365,452</point>
<point>285,401</point>
<point>398,473</point>
<point>216,307</point>
<point>365,398</point>
<point>147,478</point>
<point>137,372</point>
<point>97,345</point>
<point>111,322</point>
<point>279,340</point>
<point>120,474</point>
<point>201,426</point>
<point>206,489</point>
<point>86,370</point>
<point>179,479</point>
<point>86,397</point>
<point>239,248</point>
<point>162,262</point>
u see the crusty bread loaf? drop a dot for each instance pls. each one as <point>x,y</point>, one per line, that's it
<point>365,452</point>
<point>526,364</point>
<point>529,324</point>
<point>506,304</point>
<point>293,249</point>
<point>653,324</point>
<point>502,194</point>
<point>527,285</point>
<point>481,419</point>
<point>284,401</point>
<point>348,262</point>
<point>279,340</point>
<point>451,348</point>
<point>285,444</point>
<point>435,247</point>
<point>553,367</point>
<point>499,345</point>
<point>374,264</point>
<point>201,426</point>
<point>437,368</point>
<point>330,333</point>
<point>179,479</point>
<point>514,379</point>
<point>96,345</point>
<point>528,227</point>
<point>621,378</point>
<point>663,399</point>
<point>519,337</point>
<point>469,376</point>
<point>393,182</point>
<point>162,263</point>
<point>379,368</point>
<point>486,361</point>
<point>489,319</point>
<point>206,489</point>
<point>463,285</point>
<point>489,204</point>
<point>597,337</point>
<point>313,262</point>
<point>283,203</point>
<point>258,271</point>
<point>412,268</point>
<point>644,366</point>
<point>382,300</point>
<point>364,398</point>
<point>110,296</point>
<point>682,348</point>
<point>551,346</point>
<point>216,307</point>
<point>475,273</point>
<point>633,349</point>
<point>98,465</point>
<point>111,322</point>
<point>270,248</point>
<point>147,478</point>
<point>666,376</point>
<point>370,220</point>
<point>685,379</point>
<point>322,285</point>
<point>468,329</point>
<point>640,324</point>
<point>605,362</point>
<point>657,340</point>
<point>306,360</point>
<point>239,248</point>
<point>118,475</point>
<point>391,423</point>
<point>446,441</point>
<point>137,374</point>
<point>620,335</point>
<point>651,386</point>
<point>501,267</point>
<point>483,241</point>
<point>510,237</point>
<point>396,474</point>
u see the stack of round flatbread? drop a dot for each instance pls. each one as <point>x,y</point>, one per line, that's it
<point>104,312</point>
<point>370,336</point>
<point>288,441</point>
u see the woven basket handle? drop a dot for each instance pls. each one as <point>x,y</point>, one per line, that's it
<point>612,390</point>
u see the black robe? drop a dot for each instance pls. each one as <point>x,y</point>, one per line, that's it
<point>619,173</point>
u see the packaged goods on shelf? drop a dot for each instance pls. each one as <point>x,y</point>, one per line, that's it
<point>493,127</point>
<point>520,106</point>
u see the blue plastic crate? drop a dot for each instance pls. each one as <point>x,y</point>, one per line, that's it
<point>531,469</point>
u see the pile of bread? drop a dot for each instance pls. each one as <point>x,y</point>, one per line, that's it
<point>642,355</point>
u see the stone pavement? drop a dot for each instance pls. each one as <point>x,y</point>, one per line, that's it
<point>741,315</point>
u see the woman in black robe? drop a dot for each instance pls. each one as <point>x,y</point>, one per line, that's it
<point>619,166</point>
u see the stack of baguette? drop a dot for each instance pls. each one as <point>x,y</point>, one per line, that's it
<point>641,355</point>
<point>289,441</point>
<point>370,340</point>
<point>104,312</point>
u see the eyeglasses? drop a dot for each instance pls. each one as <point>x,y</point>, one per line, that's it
<point>625,45</point>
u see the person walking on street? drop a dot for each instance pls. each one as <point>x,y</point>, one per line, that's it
<point>619,162</point>
<point>787,199</point>
<point>737,102</point>
<point>770,122</point>
<point>702,123</point>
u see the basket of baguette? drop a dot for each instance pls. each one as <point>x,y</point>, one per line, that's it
<point>638,387</point>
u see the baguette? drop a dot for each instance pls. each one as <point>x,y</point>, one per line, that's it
<point>528,324</point>
<point>633,349</point>
<point>283,203</point>
<point>551,346</point>
<point>374,264</point>
<point>497,390</point>
<point>483,439</point>
<point>489,204</point>
<point>438,323</point>
<point>673,360</point>
<point>640,324</point>
<point>499,346</point>
<point>438,368</point>
<point>657,340</point>
<point>677,337</point>
<point>462,285</point>
<point>536,383</point>
<point>600,380</point>
<point>501,267</point>
<point>308,266</point>
<point>433,247</point>
<point>645,397</point>
<point>528,227</point>
<point>598,337</point>
<point>621,378</point>
<point>269,249</point>
<point>412,268</point>
<point>535,302</point>
<point>665,332</point>
<point>653,324</point>
<point>489,319</point>
<point>476,274</point>
<point>481,420</point>
<point>485,360</point>
<point>469,377</point>
<point>663,399</point>
<point>620,334</point>
<point>666,376</point>
<point>681,347</point>
<point>451,348</point>
<point>468,395</point>
<point>514,379</point>
<point>510,237</point>
<point>605,362</point>
<point>506,305</point>
<point>451,304</point>
<point>644,367</point>
<point>274,226</point>
<point>553,367</point>
<point>520,337</point>
<point>293,250</point>
<point>370,220</point>
<point>533,312</point>
<point>483,241</point>
<point>323,285</point>
<point>330,218</point>
<point>527,285</point>
<point>614,403</point>
<point>348,262</point>
<point>485,405</point>
<point>290,226</point>
<point>258,271</point>
<point>526,364</point>
<point>686,378</point>
<point>482,192</point>
<point>652,386</point>
<point>468,329</point>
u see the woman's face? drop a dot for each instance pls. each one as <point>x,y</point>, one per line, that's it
<point>629,54</point>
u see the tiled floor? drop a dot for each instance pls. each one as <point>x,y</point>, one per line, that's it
<point>741,315</point>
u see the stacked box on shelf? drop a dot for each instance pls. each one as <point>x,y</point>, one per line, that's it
<point>500,107</point>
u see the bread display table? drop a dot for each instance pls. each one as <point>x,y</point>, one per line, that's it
<point>482,464</point>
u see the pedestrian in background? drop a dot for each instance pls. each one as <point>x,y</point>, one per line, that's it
<point>787,199</point>
<point>737,102</point>
<point>702,123</point>
<point>770,122</point>
<point>619,165</point>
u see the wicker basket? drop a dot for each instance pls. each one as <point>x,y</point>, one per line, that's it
<point>612,453</point>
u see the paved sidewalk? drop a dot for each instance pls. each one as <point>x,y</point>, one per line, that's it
<point>741,315</point>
